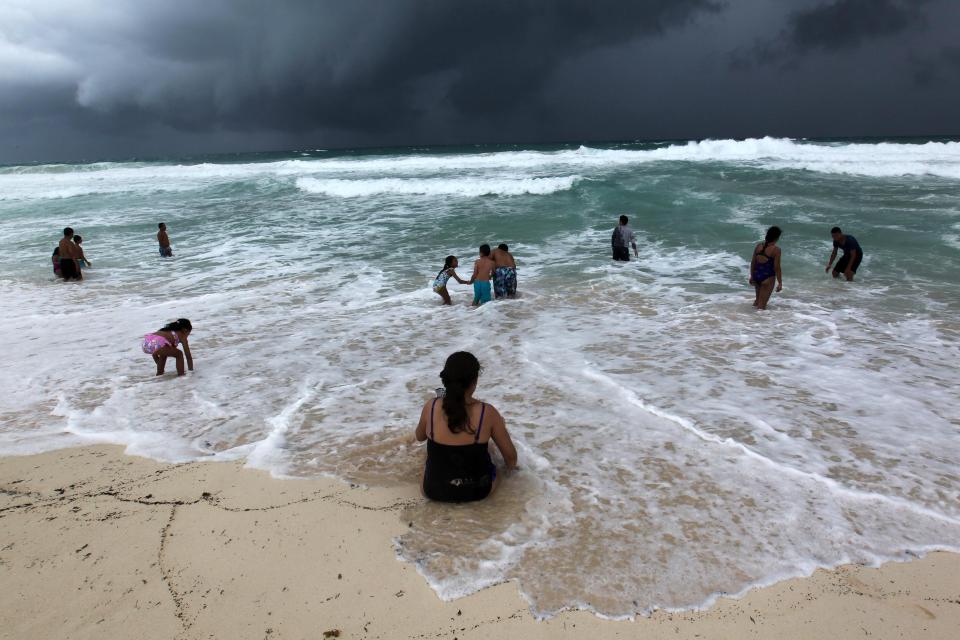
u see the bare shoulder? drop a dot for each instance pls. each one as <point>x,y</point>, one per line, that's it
<point>492,411</point>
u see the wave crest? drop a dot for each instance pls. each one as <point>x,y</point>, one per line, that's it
<point>463,187</point>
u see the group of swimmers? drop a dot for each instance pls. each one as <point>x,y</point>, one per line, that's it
<point>68,258</point>
<point>161,344</point>
<point>497,266</point>
<point>765,261</point>
<point>457,427</point>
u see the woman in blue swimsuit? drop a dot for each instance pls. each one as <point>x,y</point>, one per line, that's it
<point>764,266</point>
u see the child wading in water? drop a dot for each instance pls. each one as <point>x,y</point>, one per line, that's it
<point>162,344</point>
<point>82,259</point>
<point>482,273</point>
<point>440,284</point>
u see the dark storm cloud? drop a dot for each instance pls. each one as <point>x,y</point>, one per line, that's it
<point>846,23</point>
<point>834,26</point>
<point>130,77</point>
<point>360,65</point>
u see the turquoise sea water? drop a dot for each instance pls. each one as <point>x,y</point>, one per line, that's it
<point>674,443</point>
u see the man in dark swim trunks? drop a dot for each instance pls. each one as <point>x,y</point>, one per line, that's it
<point>505,273</point>
<point>68,257</point>
<point>852,255</point>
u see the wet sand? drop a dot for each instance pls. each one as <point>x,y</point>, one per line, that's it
<point>97,544</point>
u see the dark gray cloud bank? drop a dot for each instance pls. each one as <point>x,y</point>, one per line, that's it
<point>90,79</point>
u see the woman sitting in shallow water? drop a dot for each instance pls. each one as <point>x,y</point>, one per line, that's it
<point>458,432</point>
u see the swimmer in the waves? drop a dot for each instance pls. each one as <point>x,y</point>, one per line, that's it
<point>764,267</point>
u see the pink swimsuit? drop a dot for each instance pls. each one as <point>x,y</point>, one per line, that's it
<point>153,342</point>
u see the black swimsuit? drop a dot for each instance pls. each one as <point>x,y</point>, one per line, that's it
<point>458,472</point>
<point>763,270</point>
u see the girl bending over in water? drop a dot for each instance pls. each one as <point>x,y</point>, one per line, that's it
<point>448,271</point>
<point>162,344</point>
<point>458,430</point>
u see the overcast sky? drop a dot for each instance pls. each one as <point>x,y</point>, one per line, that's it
<point>89,79</point>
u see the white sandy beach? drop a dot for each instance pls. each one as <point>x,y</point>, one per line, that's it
<point>97,544</point>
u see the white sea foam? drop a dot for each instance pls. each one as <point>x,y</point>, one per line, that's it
<point>466,187</point>
<point>336,176</point>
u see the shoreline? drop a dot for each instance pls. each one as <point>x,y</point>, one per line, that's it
<point>97,543</point>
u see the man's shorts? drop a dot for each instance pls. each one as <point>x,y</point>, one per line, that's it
<point>844,260</point>
<point>621,253</point>
<point>505,282</point>
<point>69,269</point>
<point>481,292</point>
<point>166,252</point>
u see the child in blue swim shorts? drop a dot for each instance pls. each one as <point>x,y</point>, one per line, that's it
<point>482,273</point>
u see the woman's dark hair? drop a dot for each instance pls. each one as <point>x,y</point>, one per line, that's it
<point>773,234</point>
<point>178,325</point>
<point>460,371</point>
<point>56,251</point>
<point>77,239</point>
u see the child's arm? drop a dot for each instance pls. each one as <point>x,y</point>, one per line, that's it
<point>459,279</point>
<point>186,352</point>
<point>476,272</point>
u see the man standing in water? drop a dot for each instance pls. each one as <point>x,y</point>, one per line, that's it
<point>852,254</point>
<point>505,273</point>
<point>69,252</point>
<point>622,239</point>
<point>165,250</point>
